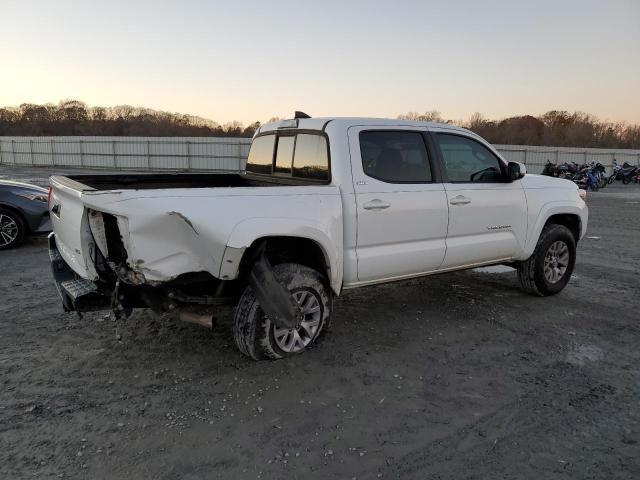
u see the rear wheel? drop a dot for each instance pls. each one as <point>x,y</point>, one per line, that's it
<point>549,269</point>
<point>12,229</point>
<point>258,337</point>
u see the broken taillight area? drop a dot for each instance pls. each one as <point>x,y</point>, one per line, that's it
<point>110,250</point>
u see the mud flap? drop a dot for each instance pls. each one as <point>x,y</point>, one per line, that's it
<point>275,299</point>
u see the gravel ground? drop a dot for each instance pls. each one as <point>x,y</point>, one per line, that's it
<point>448,377</point>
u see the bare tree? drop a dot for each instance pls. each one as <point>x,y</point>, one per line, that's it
<point>429,116</point>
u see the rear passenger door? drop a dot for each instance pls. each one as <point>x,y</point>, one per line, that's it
<point>487,214</point>
<point>401,204</point>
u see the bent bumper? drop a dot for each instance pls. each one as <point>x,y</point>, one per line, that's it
<point>77,294</point>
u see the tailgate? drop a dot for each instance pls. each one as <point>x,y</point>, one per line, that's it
<point>71,225</point>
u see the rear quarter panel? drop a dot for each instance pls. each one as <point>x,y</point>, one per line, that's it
<point>170,232</point>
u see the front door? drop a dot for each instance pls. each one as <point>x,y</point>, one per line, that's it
<point>487,215</point>
<point>401,208</point>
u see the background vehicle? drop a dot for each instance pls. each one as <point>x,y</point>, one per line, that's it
<point>624,172</point>
<point>23,210</point>
<point>590,177</point>
<point>327,204</point>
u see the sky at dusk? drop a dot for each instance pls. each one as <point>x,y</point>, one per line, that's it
<point>253,60</point>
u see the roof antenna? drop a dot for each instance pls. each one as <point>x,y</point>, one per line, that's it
<point>299,114</point>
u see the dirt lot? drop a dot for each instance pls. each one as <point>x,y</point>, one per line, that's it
<point>450,377</point>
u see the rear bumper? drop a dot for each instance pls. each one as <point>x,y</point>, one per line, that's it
<point>44,225</point>
<point>77,294</point>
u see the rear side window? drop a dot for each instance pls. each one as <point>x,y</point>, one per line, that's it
<point>304,155</point>
<point>466,160</point>
<point>261,154</point>
<point>395,156</point>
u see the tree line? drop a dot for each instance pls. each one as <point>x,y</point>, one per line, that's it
<point>72,117</point>
<point>556,128</point>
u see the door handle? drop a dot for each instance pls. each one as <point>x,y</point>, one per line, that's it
<point>460,200</point>
<point>376,204</point>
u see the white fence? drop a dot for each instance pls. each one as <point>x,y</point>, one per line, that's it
<point>138,153</point>
<point>225,153</point>
<point>535,157</point>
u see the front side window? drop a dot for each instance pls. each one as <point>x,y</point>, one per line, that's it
<point>466,160</point>
<point>395,156</point>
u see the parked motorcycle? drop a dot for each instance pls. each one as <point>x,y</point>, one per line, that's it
<point>550,169</point>
<point>625,172</point>
<point>590,177</point>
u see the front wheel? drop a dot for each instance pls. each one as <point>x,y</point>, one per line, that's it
<point>258,337</point>
<point>549,269</point>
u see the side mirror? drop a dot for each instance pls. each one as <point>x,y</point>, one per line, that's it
<point>516,171</point>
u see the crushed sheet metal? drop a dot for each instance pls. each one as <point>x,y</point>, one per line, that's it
<point>186,220</point>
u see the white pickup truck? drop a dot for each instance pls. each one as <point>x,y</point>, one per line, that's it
<point>326,204</point>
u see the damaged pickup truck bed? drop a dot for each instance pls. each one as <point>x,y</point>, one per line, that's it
<point>325,205</point>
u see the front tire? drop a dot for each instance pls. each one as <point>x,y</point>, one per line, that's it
<point>258,337</point>
<point>12,229</point>
<point>549,269</point>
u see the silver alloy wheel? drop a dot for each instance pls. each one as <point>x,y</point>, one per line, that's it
<point>296,339</point>
<point>8,230</point>
<point>556,261</point>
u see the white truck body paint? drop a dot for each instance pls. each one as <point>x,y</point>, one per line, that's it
<point>168,232</point>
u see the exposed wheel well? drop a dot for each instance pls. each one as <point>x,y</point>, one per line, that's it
<point>569,220</point>
<point>287,250</point>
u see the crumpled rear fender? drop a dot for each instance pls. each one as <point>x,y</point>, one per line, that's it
<point>161,247</point>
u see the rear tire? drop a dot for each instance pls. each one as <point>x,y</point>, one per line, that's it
<point>12,229</point>
<point>258,337</point>
<point>549,269</point>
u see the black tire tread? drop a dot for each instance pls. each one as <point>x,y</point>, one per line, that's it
<point>252,339</point>
<point>527,269</point>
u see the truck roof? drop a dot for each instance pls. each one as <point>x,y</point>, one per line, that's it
<point>320,123</point>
